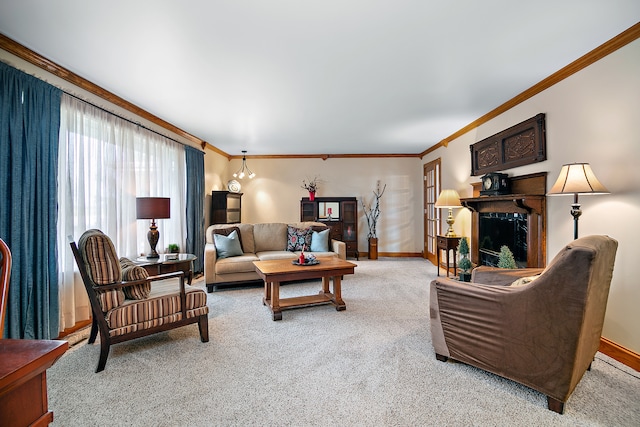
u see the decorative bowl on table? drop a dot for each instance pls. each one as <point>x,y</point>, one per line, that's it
<point>308,260</point>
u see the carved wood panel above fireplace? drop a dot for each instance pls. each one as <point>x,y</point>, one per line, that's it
<point>527,199</point>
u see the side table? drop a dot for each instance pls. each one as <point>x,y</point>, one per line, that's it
<point>23,380</point>
<point>162,265</point>
<point>447,244</point>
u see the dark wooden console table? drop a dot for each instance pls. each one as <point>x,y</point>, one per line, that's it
<point>447,244</point>
<point>23,380</point>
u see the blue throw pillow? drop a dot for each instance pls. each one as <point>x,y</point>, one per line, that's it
<point>320,241</point>
<point>227,246</point>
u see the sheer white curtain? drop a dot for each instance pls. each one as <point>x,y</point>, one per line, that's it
<point>104,163</point>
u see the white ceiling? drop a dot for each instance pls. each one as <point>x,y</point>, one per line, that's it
<point>311,76</point>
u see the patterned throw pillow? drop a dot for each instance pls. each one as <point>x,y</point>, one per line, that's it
<point>228,230</point>
<point>298,239</point>
<point>130,272</point>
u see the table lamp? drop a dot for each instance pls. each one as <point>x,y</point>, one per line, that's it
<point>449,199</point>
<point>153,208</point>
<point>577,178</point>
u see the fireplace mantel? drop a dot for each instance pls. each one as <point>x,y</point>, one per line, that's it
<point>528,198</point>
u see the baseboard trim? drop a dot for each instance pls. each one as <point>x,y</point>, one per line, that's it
<point>620,353</point>
<point>394,254</point>
<point>81,324</point>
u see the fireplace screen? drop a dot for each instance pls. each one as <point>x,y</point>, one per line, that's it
<point>498,229</point>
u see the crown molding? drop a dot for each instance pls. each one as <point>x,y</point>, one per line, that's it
<point>49,66</point>
<point>595,55</point>
<point>584,61</point>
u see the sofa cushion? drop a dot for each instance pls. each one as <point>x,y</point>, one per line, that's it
<point>298,239</point>
<point>238,264</point>
<point>131,271</point>
<point>270,255</point>
<point>270,236</point>
<point>228,230</point>
<point>524,281</point>
<point>320,241</point>
<point>246,235</point>
<point>163,306</point>
<point>227,246</point>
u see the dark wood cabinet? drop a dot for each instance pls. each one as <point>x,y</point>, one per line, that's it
<point>226,207</point>
<point>340,214</point>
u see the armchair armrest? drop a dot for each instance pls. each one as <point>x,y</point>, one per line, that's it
<point>340,248</point>
<point>501,276</point>
<point>210,258</point>
<point>120,285</point>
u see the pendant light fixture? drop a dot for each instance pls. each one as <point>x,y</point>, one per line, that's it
<point>244,170</point>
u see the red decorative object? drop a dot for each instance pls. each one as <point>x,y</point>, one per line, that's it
<point>312,195</point>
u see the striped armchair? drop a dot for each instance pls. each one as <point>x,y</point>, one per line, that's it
<point>126,303</point>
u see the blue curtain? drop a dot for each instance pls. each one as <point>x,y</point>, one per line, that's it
<point>29,126</point>
<point>195,205</point>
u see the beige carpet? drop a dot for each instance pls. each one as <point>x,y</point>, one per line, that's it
<point>371,365</point>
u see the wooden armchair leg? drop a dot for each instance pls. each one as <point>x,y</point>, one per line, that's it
<point>203,326</point>
<point>555,405</point>
<point>104,353</point>
<point>94,330</point>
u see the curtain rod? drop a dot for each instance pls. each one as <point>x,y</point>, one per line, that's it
<point>121,117</point>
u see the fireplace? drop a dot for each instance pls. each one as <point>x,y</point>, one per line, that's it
<point>516,220</point>
<point>497,229</point>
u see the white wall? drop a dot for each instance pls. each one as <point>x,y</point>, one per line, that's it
<point>275,193</point>
<point>592,116</point>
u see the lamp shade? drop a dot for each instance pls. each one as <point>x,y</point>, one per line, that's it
<point>153,207</point>
<point>448,199</point>
<point>577,178</point>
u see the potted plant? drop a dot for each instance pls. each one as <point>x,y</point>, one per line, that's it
<point>311,187</point>
<point>173,248</point>
<point>465,264</point>
<point>372,213</point>
<point>505,259</point>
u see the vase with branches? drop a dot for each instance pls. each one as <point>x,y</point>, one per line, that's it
<point>372,213</point>
<point>311,186</point>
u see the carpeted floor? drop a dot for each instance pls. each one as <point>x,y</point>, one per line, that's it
<point>371,365</point>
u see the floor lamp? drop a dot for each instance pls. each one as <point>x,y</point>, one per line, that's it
<point>449,199</point>
<point>153,208</point>
<point>577,178</point>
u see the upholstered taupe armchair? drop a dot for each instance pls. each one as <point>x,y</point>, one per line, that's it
<point>541,331</point>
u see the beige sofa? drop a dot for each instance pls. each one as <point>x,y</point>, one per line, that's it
<point>259,242</point>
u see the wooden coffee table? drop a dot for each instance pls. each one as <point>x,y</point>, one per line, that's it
<point>276,271</point>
